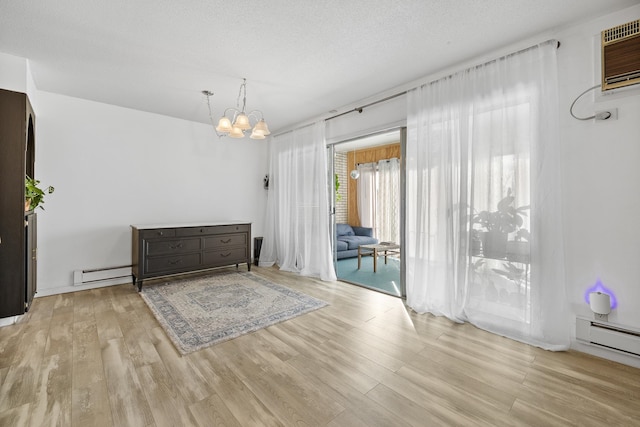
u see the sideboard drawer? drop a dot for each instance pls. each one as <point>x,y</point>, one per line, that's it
<point>172,246</point>
<point>225,240</point>
<point>225,256</point>
<point>192,231</point>
<point>172,263</point>
<point>212,229</point>
<point>157,232</point>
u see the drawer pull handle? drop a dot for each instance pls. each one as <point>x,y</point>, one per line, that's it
<point>174,262</point>
<point>160,233</point>
<point>179,245</point>
<point>225,241</point>
<point>225,255</point>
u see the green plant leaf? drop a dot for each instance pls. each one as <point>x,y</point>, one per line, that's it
<point>505,204</point>
<point>34,194</point>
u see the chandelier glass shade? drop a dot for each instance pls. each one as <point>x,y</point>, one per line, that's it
<point>235,122</point>
<point>224,125</point>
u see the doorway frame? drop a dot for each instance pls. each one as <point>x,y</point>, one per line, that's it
<point>332,199</point>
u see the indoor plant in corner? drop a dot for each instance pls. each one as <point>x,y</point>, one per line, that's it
<point>33,194</point>
<point>496,225</point>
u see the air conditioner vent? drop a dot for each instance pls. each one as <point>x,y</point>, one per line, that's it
<point>621,55</point>
<point>621,31</point>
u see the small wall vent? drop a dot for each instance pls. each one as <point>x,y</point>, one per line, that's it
<point>621,55</point>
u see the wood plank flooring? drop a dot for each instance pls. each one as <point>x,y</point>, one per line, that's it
<point>99,358</point>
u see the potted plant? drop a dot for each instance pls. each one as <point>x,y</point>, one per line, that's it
<point>496,225</point>
<point>33,194</point>
<point>518,248</point>
<point>514,273</point>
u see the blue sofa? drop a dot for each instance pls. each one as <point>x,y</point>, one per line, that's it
<point>348,239</point>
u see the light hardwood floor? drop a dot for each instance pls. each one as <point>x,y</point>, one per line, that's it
<point>99,358</point>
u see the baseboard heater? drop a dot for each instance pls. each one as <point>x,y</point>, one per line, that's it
<point>101,275</point>
<point>608,335</point>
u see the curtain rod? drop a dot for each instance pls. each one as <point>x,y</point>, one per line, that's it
<point>502,57</point>
<point>361,108</point>
<point>381,160</point>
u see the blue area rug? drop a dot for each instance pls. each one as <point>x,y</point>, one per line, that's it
<point>386,279</point>
<point>205,310</point>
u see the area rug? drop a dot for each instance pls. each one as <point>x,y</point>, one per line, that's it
<point>386,279</point>
<point>206,310</point>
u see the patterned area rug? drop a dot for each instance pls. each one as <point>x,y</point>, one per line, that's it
<point>199,312</point>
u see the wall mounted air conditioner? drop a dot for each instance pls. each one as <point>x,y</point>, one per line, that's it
<point>621,56</point>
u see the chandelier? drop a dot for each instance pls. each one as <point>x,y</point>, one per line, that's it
<point>235,122</point>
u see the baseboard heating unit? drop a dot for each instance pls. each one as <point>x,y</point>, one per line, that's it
<point>608,335</point>
<point>102,275</point>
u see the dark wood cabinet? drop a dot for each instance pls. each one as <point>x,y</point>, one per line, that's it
<point>17,228</point>
<point>163,250</point>
<point>31,255</point>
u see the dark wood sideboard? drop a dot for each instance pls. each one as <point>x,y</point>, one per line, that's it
<point>163,250</point>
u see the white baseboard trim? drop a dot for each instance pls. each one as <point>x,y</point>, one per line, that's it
<point>604,353</point>
<point>8,321</point>
<point>75,288</point>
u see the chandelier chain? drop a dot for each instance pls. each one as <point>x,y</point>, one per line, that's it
<point>243,90</point>
<point>208,95</point>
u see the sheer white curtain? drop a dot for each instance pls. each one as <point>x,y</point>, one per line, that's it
<point>388,201</point>
<point>482,160</point>
<point>367,195</point>
<point>297,231</point>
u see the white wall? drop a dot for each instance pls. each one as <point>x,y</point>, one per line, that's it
<point>601,170</point>
<point>13,73</point>
<point>601,164</point>
<point>387,115</point>
<point>113,167</point>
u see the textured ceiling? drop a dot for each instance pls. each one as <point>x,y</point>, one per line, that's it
<point>301,58</point>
